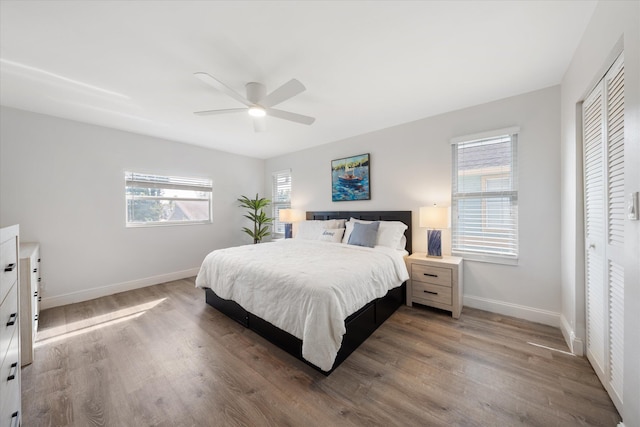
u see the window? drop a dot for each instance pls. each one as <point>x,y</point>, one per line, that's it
<point>280,199</point>
<point>166,200</point>
<point>485,197</point>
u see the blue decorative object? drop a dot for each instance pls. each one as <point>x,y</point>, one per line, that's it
<point>288,230</point>
<point>434,243</point>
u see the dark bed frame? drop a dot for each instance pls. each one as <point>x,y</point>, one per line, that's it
<point>360,325</point>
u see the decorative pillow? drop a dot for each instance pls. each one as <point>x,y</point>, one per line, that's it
<point>310,230</point>
<point>390,233</point>
<point>331,235</point>
<point>364,234</point>
<point>338,223</point>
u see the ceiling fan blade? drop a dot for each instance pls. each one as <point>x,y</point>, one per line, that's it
<point>284,92</point>
<point>228,110</point>
<point>259,124</point>
<point>218,85</point>
<point>298,118</point>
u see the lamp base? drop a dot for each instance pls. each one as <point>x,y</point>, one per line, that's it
<point>288,231</point>
<point>434,244</point>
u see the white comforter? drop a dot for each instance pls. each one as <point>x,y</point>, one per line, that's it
<point>307,288</point>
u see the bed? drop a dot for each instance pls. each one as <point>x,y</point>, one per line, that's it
<point>318,321</point>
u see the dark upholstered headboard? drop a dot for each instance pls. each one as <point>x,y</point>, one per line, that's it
<point>404,216</point>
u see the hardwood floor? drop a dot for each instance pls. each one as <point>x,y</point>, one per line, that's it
<point>160,356</point>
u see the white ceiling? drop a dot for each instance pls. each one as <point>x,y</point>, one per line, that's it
<point>366,65</point>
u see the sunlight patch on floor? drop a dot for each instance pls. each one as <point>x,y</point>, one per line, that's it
<point>73,329</point>
<point>551,348</point>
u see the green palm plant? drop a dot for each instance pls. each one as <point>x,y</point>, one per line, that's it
<point>257,215</point>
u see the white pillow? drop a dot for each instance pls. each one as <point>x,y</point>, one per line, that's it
<point>310,230</point>
<point>390,233</point>
<point>331,235</point>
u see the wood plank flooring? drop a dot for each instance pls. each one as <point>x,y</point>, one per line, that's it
<point>159,356</point>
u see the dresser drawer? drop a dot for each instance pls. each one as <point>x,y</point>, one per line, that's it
<point>424,293</point>
<point>10,388</point>
<point>8,319</point>
<point>429,274</point>
<point>8,266</point>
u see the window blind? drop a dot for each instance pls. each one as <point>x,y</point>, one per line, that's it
<point>281,198</point>
<point>485,197</point>
<point>139,180</point>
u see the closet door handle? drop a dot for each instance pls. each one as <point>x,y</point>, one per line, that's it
<point>10,267</point>
<point>35,270</point>
<point>14,369</point>
<point>12,319</point>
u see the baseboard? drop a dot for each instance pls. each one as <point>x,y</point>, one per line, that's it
<point>576,345</point>
<point>89,294</point>
<point>509,309</point>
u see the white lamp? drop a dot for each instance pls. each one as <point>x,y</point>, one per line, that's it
<point>434,219</point>
<point>288,217</point>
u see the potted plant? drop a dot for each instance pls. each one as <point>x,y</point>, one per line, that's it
<point>256,214</point>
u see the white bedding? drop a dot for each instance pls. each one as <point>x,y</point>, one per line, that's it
<point>305,287</point>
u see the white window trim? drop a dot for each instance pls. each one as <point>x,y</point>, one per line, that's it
<point>137,179</point>
<point>485,257</point>
<point>275,206</point>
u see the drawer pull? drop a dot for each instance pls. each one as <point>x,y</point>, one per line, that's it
<point>430,275</point>
<point>35,270</point>
<point>14,369</point>
<point>10,267</point>
<point>39,299</point>
<point>39,279</point>
<point>14,418</point>
<point>12,319</point>
<point>430,292</point>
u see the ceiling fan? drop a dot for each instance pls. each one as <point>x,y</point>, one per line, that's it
<point>258,103</point>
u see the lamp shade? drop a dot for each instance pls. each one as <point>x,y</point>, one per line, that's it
<point>434,217</point>
<point>290,215</point>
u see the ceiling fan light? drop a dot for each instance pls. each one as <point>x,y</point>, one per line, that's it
<point>257,112</point>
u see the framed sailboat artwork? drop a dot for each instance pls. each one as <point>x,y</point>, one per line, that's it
<point>350,178</point>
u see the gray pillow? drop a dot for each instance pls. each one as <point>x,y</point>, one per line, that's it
<point>364,234</point>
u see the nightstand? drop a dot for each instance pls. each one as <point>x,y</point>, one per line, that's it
<point>436,282</point>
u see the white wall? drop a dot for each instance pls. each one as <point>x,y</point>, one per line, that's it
<point>63,182</point>
<point>411,167</point>
<point>614,26</point>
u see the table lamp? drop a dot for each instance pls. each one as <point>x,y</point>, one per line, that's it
<point>288,217</point>
<point>434,219</point>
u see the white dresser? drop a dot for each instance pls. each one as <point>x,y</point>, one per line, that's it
<point>29,298</point>
<point>10,410</point>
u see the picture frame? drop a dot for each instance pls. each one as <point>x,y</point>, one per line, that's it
<point>350,178</point>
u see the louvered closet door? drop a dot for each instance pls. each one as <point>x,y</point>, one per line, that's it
<point>614,87</point>
<point>593,120</point>
<point>603,121</point>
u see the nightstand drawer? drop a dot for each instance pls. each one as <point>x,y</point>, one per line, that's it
<point>429,274</point>
<point>426,292</point>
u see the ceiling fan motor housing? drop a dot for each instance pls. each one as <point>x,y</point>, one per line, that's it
<point>255,92</point>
